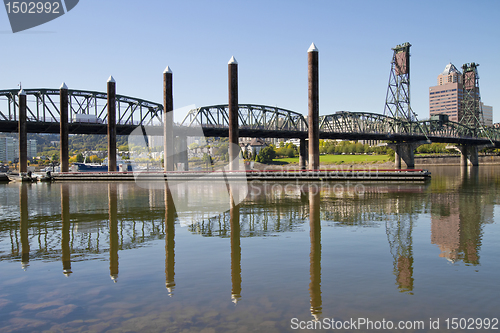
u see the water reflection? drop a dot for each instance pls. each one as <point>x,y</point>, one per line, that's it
<point>25,243</point>
<point>65,232</point>
<point>169,241</point>
<point>458,218</point>
<point>456,209</point>
<point>315,254</point>
<point>234,214</point>
<point>113,232</point>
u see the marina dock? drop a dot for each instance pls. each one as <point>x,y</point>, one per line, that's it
<point>271,175</point>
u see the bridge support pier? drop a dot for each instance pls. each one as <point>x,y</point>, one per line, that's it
<point>182,152</point>
<point>469,155</point>
<point>313,118</point>
<point>64,129</point>
<point>168,129</point>
<point>111,124</point>
<point>234,145</point>
<point>23,134</point>
<point>302,154</point>
<point>404,151</point>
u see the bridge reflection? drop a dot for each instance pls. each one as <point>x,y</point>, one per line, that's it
<point>135,217</point>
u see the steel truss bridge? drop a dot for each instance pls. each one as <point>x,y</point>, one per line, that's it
<point>254,120</point>
<point>91,106</point>
<point>268,121</point>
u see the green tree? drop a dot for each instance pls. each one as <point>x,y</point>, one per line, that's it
<point>266,155</point>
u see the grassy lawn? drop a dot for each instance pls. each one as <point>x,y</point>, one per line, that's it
<point>342,159</point>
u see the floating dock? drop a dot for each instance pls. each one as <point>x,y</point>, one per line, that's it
<point>271,175</point>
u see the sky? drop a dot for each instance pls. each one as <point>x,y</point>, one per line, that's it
<point>134,41</point>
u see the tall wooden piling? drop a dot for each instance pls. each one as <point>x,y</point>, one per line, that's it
<point>23,134</point>
<point>313,118</point>
<point>168,118</point>
<point>234,147</point>
<point>111,124</point>
<point>64,128</point>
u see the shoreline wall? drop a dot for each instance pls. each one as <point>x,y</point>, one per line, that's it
<point>454,160</point>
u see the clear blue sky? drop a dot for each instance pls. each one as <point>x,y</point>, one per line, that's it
<point>135,40</point>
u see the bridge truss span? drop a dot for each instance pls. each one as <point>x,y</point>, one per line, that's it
<point>253,120</point>
<point>90,107</point>
<point>372,126</point>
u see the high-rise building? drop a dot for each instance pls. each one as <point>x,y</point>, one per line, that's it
<point>446,97</point>
<point>8,149</point>
<point>32,151</point>
<point>487,115</point>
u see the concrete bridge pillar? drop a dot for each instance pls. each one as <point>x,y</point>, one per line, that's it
<point>64,129</point>
<point>302,154</point>
<point>168,116</point>
<point>404,151</point>
<point>313,118</point>
<point>182,153</point>
<point>234,145</point>
<point>111,124</point>
<point>23,134</point>
<point>469,155</point>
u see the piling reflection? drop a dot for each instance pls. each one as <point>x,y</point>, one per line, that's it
<point>25,244</point>
<point>169,241</point>
<point>65,232</point>
<point>113,232</point>
<point>315,254</point>
<point>459,206</point>
<point>234,213</point>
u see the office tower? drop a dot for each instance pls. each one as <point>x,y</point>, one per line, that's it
<point>446,97</point>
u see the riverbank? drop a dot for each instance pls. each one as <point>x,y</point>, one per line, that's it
<point>374,161</point>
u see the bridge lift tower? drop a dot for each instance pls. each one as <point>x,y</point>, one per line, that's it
<point>471,113</point>
<point>397,101</point>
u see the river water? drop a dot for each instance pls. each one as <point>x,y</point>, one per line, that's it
<point>118,257</point>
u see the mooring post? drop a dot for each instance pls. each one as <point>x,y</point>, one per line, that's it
<point>313,118</point>
<point>64,128</point>
<point>168,118</point>
<point>111,124</point>
<point>234,146</point>
<point>23,134</point>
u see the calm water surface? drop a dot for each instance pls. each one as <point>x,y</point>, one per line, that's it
<point>98,257</point>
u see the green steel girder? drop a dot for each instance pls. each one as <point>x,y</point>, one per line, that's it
<point>43,106</point>
<point>250,116</point>
<point>372,123</point>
